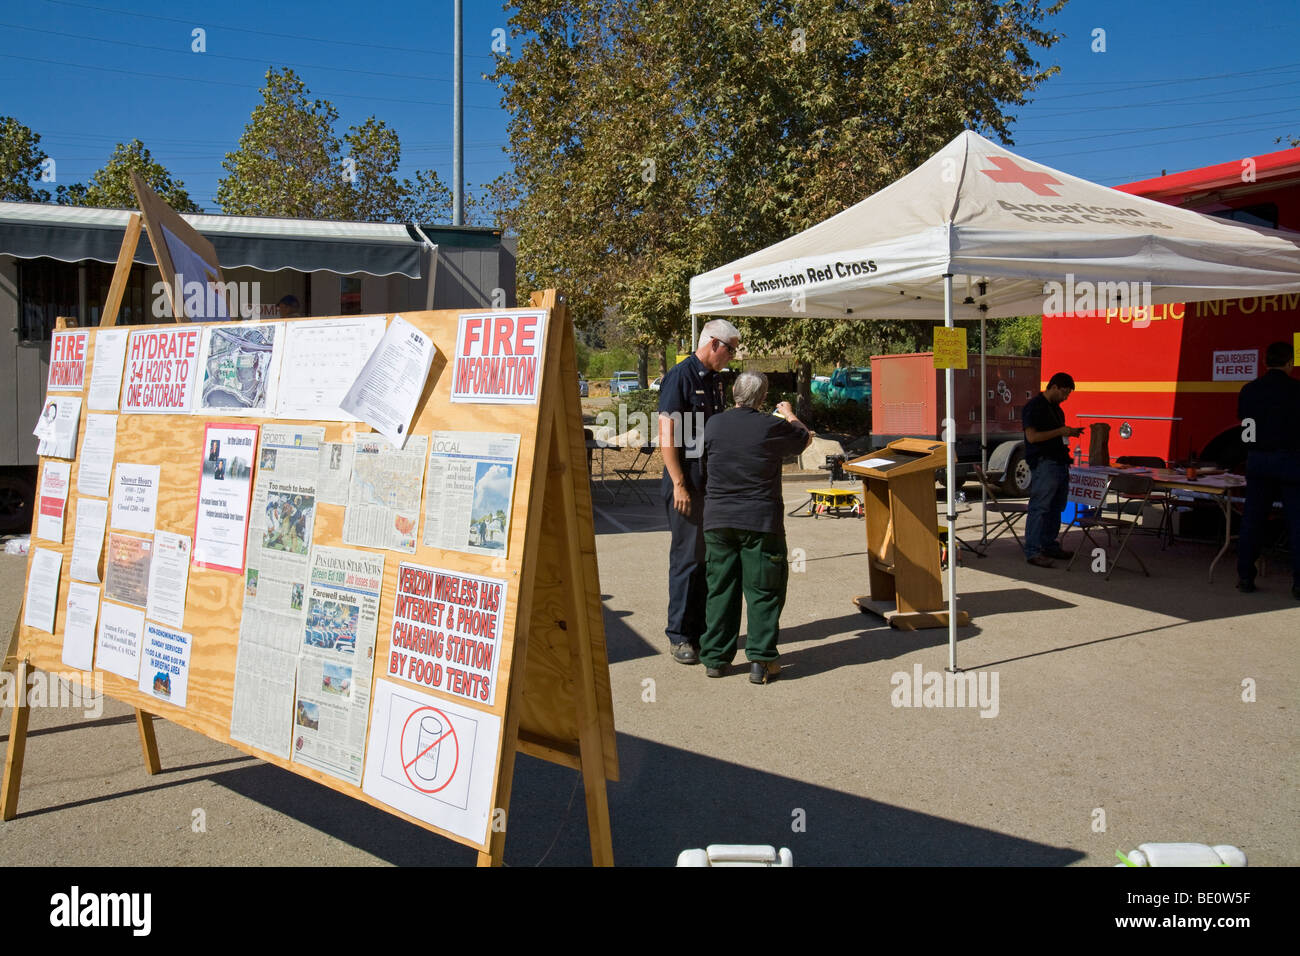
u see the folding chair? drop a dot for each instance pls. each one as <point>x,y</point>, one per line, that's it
<point>630,477</point>
<point>1010,511</point>
<point>1163,499</point>
<point>1128,490</point>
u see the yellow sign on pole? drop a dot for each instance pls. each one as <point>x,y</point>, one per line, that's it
<point>949,347</point>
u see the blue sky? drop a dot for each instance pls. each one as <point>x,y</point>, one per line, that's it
<point>1180,84</point>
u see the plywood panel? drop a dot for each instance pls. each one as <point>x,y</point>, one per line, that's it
<point>215,598</point>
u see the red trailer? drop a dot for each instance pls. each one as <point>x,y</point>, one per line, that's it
<point>1166,378</point>
<point>907,401</point>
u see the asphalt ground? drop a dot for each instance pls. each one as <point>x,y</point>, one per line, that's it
<point>1133,710</point>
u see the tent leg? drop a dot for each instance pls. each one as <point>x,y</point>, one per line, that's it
<point>951,441</point>
<point>984,430</point>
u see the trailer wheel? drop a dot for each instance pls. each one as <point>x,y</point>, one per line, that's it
<point>17,499</point>
<point>1017,477</point>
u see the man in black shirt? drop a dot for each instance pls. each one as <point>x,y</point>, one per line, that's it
<point>1269,409</point>
<point>1048,458</point>
<point>689,395</point>
<point>744,527</point>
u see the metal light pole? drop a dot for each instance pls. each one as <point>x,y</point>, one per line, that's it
<point>457,124</point>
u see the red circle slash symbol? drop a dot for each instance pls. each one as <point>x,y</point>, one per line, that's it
<point>451,731</point>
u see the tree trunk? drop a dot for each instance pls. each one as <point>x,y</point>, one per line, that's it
<point>642,366</point>
<point>804,382</point>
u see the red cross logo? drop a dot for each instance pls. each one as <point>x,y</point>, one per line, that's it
<point>1008,172</point>
<point>735,290</point>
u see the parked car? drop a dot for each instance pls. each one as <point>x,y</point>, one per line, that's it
<point>654,386</point>
<point>624,382</point>
<point>844,385</point>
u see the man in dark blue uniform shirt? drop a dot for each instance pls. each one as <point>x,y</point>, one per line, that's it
<point>689,395</point>
<point>1048,458</point>
<point>1269,409</point>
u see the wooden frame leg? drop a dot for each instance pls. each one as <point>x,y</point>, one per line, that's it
<point>13,775</point>
<point>148,742</point>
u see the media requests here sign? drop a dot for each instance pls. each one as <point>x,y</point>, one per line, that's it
<point>499,357</point>
<point>1087,488</point>
<point>1241,365</point>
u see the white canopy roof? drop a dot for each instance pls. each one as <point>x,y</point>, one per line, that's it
<point>982,213</point>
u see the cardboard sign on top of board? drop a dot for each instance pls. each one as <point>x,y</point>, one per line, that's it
<point>187,261</point>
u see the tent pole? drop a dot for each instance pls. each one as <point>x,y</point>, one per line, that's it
<point>950,429</point>
<point>984,429</point>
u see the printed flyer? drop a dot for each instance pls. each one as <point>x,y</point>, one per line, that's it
<point>52,500</point>
<point>239,368</point>
<point>165,663</point>
<point>225,483</point>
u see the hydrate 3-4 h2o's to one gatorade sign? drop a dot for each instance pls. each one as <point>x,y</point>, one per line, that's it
<point>499,357</point>
<point>160,370</point>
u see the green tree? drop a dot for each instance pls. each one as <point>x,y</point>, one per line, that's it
<point>20,163</point>
<point>110,187</point>
<point>754,119</point>
<point>290,162</point>
<point>287,161</point>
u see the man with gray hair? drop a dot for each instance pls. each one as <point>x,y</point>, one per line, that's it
<point>744,527</point>
<point>689,395</point>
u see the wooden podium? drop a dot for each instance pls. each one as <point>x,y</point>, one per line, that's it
<point>903,533</point>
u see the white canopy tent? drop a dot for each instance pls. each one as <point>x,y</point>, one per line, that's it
<point>1015,238</point>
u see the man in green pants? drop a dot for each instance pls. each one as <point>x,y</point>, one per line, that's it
<point>744,527</point>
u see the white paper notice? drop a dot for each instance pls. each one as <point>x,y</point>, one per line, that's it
<point>135,496</point>
<point>98,448</point>
<point>118,647</point>
<point>42,589</point>
<point>165,663</point>
<point>106,373</point>
<point>389,387</point>
<point>52,501</point>
<point>433,759</point>
<point>321,361</point>
<point>57,428</point>
<point>874,462</point>
<point>79,625</point>
<point>169,576</point>
<point>88,539</point>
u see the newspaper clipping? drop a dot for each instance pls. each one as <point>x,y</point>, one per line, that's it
<point>270,633</point>
<point>338,656</point>
<point>471,484</point>
<point>384,496</point>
